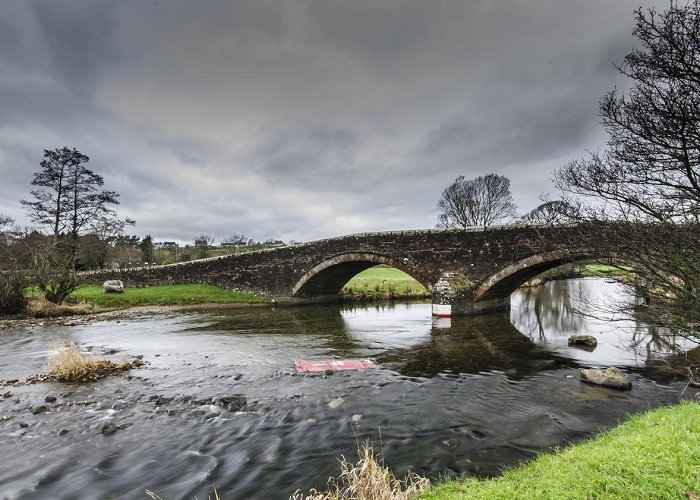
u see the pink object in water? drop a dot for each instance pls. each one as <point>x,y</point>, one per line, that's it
<point>321,365</point>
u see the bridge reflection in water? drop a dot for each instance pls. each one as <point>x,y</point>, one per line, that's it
<point>474,345</point>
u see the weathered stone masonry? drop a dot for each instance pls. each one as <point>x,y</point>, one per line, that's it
<point>467,271</point>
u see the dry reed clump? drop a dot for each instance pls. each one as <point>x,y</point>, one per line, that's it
<point>368,479</point>
<point>39,307</point>
<point>68,364</point>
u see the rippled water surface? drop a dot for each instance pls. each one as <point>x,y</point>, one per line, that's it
<point>459,396</point>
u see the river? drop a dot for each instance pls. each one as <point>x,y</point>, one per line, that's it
<point>449,396</point>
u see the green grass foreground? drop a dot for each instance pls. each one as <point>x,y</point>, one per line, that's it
<point>162,295</point>
<point>652,455</point>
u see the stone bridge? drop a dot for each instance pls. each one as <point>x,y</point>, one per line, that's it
<point>467,271</point>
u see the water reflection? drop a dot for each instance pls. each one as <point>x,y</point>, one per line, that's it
<point>653,343</point>
<point>546,310</point>
<point>550,313</point>
<point>474,345</point>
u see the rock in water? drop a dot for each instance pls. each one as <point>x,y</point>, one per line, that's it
<point>233,403</point>
<point>113,286</point>
<point>609,377</point>
<point>109,428</point>
<point>162,400</point>
<point>335,403</point>
<point>583,341</point>
<point>36,409</point>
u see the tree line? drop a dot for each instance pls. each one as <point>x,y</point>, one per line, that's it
<point>76,228</point>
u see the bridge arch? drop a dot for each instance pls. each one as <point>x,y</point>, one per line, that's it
<point>329,276</point>
<point>508,279</point>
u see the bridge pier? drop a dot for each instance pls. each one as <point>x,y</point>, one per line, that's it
<point>470,308</point>
<point>453,295</point>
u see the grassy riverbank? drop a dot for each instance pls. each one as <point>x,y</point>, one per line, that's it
<point>625,273</point>
<point>652,455</point>
<point>162,295</point>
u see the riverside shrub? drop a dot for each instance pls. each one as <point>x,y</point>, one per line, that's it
<point>12,298</point>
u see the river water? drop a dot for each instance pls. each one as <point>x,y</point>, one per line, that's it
<point>449,396</point>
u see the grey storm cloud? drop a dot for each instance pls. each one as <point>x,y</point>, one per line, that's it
<point>303,119</point>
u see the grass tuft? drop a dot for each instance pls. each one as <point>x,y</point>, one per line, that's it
<point>368,479</point>
<point>68,364</point>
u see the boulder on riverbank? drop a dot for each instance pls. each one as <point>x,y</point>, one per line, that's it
<point>609,377</point>
<point>113,286</point>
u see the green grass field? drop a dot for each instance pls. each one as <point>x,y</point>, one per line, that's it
<point>652,455</point>
<point>162,295</point>
<point>383,282</point>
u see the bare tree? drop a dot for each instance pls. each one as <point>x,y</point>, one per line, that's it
<point>12,279</point>
<point>202,243</point>
<point>67,198</point>
<point>479,202</point>
<point>552,212</point>
<point>6,229</point>
<point>95,246</point>
<point>69,201</point>
<point>650,171</point>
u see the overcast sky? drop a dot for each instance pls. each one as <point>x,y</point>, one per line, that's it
<point>299,120</point>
